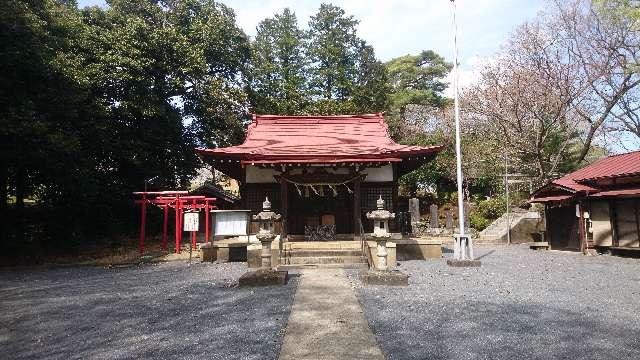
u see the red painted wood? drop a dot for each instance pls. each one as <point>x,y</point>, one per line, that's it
<point>164,227</point>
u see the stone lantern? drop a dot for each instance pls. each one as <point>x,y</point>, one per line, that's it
<point>266,219</point>
<point>266,275</point>
<point>381,233</point>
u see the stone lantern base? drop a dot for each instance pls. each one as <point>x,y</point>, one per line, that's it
<point>263,277</point>
<point>384,277</point>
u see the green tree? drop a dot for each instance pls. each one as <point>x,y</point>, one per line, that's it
<point>277,75</point>
<point>344,75</point>
<point>418,114</point>
<point>417,84</point>
<point>95,101</point>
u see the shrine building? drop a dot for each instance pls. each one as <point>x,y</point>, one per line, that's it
<point>322,173</point>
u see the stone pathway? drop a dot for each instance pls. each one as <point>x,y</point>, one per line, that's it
<point>326,320</point>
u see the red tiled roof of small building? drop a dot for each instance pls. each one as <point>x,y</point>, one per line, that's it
<point>582,180</point>
<point>335,138</point>
<point>612,166</point>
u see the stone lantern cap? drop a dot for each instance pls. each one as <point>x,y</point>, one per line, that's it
<point>266,214</point>
<point>380,213</point>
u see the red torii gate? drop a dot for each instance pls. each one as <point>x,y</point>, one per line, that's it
<point>179,201</point>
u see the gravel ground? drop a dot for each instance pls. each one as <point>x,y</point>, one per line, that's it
<point>163,311</point>
<point>520,304</point>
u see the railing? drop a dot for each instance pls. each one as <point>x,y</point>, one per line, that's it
<point>363,242</point>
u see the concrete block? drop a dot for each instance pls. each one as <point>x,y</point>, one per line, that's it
<point>263,278</point>
<point>463,263</point>
<point>418,249</point>
<point>389,278</point>
<point>209,253</point>
<point>222,255</point>
<point>539,245</point>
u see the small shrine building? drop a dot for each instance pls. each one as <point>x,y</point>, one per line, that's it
<point>321,173</point>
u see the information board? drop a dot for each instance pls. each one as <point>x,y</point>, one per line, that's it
<point>231,223</point>
<point>191,221</point>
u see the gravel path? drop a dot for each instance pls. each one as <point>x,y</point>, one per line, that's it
<point>519,304</point>
<point>162,311</point>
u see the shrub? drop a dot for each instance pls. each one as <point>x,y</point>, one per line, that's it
<point>478,222</point>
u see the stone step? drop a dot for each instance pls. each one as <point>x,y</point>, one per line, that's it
<point>321,252</point>
<point>321,260</point>
<point>361,266</point>
<point>322,245</point>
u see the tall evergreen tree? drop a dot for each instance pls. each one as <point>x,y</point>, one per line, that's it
<point>344,76</point>
<point>277,82</point>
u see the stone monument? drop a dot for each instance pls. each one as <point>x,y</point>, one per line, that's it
<point>448,220</point>
<point>414,210</point>
<point>381,275</point>
<point>266,275</point>
<point>433,216</point>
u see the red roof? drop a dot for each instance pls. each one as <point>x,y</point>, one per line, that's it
<point>618,192</point>
<point>550,198</point>
<point>613,166</point>
<point>582,180</point>
<point>609,167</point>
<point>338,138</point>
<point>570,184</point>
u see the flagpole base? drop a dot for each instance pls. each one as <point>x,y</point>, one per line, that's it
<point>464,263</point>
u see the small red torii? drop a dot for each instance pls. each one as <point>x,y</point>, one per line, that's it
<point>179,201</point>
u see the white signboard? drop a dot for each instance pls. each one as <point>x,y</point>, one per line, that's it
<point>191,221</point>
<point>230,223</point>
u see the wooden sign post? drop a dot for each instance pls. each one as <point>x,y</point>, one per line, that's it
<point>191,222</point>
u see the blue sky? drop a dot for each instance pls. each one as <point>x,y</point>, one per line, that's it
<point>396,28</point>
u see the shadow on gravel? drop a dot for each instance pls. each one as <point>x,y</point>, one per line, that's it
<point>521,304</point>
<point>508,331</point>
<point>487,253</point>
<point>165,311</point>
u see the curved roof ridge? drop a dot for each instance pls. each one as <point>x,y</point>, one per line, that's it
<point>321,137</point>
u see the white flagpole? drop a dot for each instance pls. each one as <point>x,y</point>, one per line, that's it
<point>463,248</point>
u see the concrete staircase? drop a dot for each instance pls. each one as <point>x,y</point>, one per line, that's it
<point>496,232</point>
<point>334,254</point>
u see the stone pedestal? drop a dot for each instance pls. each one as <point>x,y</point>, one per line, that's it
<point>381,253</point>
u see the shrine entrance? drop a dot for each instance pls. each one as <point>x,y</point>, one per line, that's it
<point>320,218</point>
<point>320,204</point>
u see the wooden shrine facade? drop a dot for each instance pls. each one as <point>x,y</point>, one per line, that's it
<point>319,172</point>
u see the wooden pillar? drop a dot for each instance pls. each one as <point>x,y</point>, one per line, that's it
<point>356,209</point>
<point>284,209</point>
<point>581,229</point>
